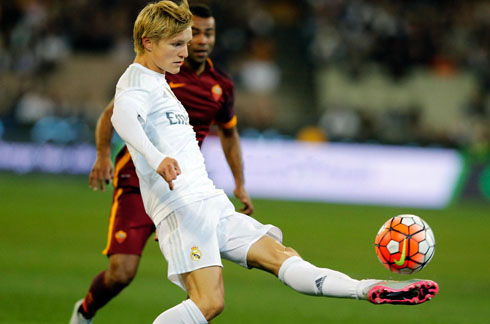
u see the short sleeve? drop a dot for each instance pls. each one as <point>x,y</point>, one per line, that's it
<point>225,116</point>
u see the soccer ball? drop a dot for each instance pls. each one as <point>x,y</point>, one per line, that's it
<point>405,244</point>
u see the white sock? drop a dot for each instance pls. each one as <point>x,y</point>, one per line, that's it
<point>184,313</point>
<point>305,278</point>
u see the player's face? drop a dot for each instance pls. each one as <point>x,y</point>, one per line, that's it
<point>168,54</point>
<point>203,38</point>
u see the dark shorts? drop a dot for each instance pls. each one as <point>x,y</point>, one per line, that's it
<point>129,225</point>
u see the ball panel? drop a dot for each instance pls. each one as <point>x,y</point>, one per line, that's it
<point>386,254</point>
<point>385,239</point>
<point>418,237</point>
<point>395,221</point>
<point>408,220</point>
<point>429,254</point>
<point>413,247</point>
<point>393,246</point>
<point>413,265</point>
<point>397,236</point>
<point>418,221</point>
<point>429,236</point>
<point>406,271</point>
<point>384,227</point>
<point>381,235</point>
<point>401,228</point>
<point>419,258</point>
<point>423,247</point>
<point>417,269</point>
<point>415,228</point>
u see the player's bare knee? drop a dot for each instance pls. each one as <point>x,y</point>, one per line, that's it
<point>211,306</point>
<point>217,306</point>
<point>125,276</point>
<point>268,254</point>
<point>281,256</point>
<point>121,273</point>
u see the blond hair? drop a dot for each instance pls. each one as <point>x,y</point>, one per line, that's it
<point>159,20</point>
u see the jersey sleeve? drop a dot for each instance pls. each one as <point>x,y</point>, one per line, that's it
<point>225,117</point>
<point>137,98</point>
<point>131,108</point>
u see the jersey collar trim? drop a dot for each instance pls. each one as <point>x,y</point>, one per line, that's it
<point>147,70</point>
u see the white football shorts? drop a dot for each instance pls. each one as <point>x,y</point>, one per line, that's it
<point>198,235</point>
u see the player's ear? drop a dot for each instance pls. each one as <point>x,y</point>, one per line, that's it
<point>147,43</point>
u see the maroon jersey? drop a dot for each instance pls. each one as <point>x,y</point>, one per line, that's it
<point>208,98</point>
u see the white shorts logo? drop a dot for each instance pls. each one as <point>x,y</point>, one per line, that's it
<point>195,254</point>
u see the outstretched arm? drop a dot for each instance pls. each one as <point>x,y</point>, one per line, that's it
<point>126,123</point>
<point>230,141</point>
<point>103,169</point>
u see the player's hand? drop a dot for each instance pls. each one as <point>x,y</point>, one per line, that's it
<point>101,174</point>
<point>242,195</point>
<point>169,169</point>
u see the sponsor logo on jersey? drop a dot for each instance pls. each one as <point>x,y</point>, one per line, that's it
<point>120,236</point>
<point>176,85</point>
<point>195,254</point>
<point>177,119</point>
<point>217,92</point>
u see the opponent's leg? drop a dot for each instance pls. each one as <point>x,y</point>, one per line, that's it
<point>105,286</point>
<point>302,276</point>
<point>206,298</point>
<point>109,283</point>
<point>129,230</point>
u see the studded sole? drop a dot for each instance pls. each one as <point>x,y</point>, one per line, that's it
<point>413,294</point>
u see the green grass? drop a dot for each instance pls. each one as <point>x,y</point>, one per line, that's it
<point>52,229</point>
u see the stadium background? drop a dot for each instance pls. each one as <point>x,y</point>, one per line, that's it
<point>393,73</point>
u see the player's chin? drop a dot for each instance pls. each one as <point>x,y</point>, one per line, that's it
<point>174,70</point>
<point>199,58</point>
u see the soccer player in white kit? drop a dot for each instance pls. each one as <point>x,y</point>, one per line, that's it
<point>196,223</point>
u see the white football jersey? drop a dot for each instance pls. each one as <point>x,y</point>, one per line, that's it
<point>145,106</point>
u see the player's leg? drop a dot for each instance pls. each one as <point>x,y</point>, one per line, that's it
<point>122,269</point>
<point>189,241</point>
<point>206,289</point>
<point>109,283</point>
<point>129,229</point>
<point>206,298</point>
<point>270,255</point>
<point>252,244</point>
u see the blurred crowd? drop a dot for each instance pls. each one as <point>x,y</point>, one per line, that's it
<point>270,47</point>
<point>443,36</point>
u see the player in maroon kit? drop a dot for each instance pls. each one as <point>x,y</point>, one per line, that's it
<point>207,94</point>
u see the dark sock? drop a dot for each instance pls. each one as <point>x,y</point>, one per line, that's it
<point>98,295</point>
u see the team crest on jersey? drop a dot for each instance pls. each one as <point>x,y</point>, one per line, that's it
<point>120,236</point>
<point>217,92</point>
<point>195,254</point>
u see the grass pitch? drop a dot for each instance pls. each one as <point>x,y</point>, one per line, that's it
<point>53,228</point>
